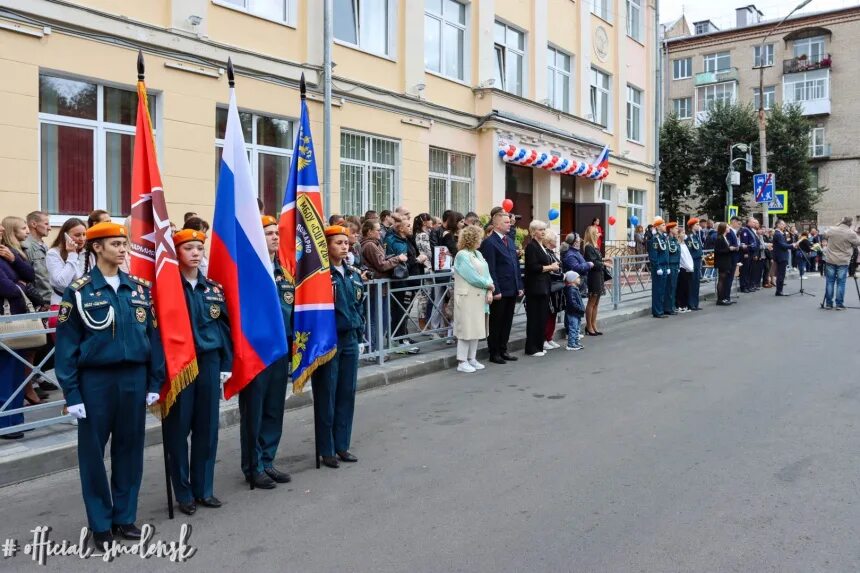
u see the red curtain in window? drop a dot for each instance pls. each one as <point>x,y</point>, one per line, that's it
<point>75,170</point>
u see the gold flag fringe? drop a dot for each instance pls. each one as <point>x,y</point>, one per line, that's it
<point>182,380</point>
<point>299,384</point>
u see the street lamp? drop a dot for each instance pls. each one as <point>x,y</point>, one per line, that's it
<point>762,134</point>
<point>746,149</point>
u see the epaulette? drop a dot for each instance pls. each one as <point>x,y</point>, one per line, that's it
<point>140,281</point>
<point>80,282</point>
<point>214,283</point>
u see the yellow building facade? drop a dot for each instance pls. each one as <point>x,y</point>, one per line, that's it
<point>425,92</point>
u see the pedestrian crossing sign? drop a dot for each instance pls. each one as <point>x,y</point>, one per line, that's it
<point>733,212</point>
<point>779,205</point>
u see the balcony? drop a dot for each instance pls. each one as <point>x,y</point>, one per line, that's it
<point>726,75</point>
<point>805,64</point>
<point>811,90</point>
<point>821,151</point>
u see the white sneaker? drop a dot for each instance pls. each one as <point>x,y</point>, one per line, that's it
<point>555,344</point>
<point>476,365</point>
<point>539,354</point>
<point>548,346</point>
<point>465,367</point>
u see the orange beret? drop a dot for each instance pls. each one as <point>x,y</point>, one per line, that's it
<point>106,230</point>
<point>671,225</point>
<point>658,221</point>
<point>269,220</point>
<point>333,230</point>
<point>692,222</point>
<point>188,235</point>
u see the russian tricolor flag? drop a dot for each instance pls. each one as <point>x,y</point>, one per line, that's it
<point>240,262</point>
<point>602,160</point>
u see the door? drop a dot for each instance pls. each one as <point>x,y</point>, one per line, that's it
<point>518,188</point>
<point>586,213</point>
<point>568,205</point>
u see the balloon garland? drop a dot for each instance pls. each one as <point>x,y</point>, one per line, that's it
<point>531,158</point>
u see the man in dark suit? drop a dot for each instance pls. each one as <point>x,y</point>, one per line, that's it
<point>749,255</point>
<point>500,252</point>
<point>732,239</point>
<point>781,248</point>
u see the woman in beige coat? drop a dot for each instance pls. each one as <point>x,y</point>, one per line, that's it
<point>473,292</point>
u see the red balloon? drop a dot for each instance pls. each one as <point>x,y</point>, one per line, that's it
<point>508,205</point>
<point>611,220</point>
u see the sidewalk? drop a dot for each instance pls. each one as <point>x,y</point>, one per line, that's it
<point>54,448</point>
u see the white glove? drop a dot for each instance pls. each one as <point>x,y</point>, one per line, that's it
<point>660,272</point>
<point>78,411</point>
<point>152,398</point>
<point>225,376</point>
<point>668,271</point>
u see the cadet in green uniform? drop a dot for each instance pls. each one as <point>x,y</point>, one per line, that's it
<point>673,248</point>
<point>195,411</point>
<point>658,257</point>
<point>334,382</point>
<point>110,364</point>
<point>261,403</point>
<point>695,246</point>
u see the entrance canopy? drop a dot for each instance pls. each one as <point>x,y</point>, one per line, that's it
<point>510,153</point>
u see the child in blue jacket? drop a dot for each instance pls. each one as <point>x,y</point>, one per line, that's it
<point>574,309</point>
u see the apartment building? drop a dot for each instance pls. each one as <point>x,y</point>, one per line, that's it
<point>425,92</point>
<point>811,60</point>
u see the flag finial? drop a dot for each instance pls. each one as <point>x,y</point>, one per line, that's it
<point>140,66</point>
<point>231,77</point>
<point>302,87</point>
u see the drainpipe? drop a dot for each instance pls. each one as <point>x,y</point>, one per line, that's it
<point>658,115</point>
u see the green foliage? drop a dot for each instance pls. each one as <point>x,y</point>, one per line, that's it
<point>521,236</point>
<point>677,164</point>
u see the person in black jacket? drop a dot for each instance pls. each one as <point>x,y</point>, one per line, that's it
<point>724,262</point>
<point>595,279</point>
<point>537,286</point>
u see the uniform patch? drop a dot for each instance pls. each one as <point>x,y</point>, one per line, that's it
<point>289,297</point>
<point>214,311</point>
<point>65,311</point>
<point>358,295</point>
<point>140,314</point>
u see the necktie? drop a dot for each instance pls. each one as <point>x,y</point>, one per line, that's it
<point>505,241</point>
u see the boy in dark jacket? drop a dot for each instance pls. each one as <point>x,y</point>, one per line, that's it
<point>574,309</point>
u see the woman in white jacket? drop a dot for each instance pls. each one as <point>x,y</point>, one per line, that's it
<point>65,261</point>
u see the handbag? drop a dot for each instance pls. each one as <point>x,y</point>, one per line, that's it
<point>607,276</point>
<point>30,324</point>
<point>400,272</point>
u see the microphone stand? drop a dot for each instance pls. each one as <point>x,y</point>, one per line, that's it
<point>801,291</point>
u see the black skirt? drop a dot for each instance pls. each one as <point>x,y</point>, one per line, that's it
<point>595,281</point>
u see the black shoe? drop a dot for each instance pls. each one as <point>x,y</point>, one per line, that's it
<point>100,538</point>
<point>497,360</point>
<point>656,316</point>
<point>278,476</point>
<point>43,395</point>
<point>598,333</point>
<point>347,457</point>
<point>723,303</point>
<point>127,531</point>
<point>261,480</point>
<point>48,386</point>
<point>509,357</point>
<point>330,462</point>
<point>780,294</point>
<point>13,436</point>
<point>210,501</point>
<point>188,508</point>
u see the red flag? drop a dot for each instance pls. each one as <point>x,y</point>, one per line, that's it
<point>153,257</point>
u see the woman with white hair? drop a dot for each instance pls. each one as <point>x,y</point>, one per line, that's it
<point>473,293</point>
<point>556,291</point>
<point>539,265</point>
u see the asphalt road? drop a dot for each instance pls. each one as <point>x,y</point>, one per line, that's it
<point>724,440</point>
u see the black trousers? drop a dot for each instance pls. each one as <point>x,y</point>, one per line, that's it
<point>682,294</point>
<point>724,285</point>
<point>501,318</point>
<point>781,267</point>
<point>746,273</point>
<point>537,311</point>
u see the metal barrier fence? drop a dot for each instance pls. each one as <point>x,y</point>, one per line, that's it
<point>631,277</point>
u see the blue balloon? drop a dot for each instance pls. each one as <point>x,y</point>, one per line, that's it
<point>502,153</point>
<point>634,220</point>
<point>553,214</point>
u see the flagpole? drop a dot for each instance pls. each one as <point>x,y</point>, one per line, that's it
<point>302,93</point>
<point>141,75</point>
<point>328,34</point>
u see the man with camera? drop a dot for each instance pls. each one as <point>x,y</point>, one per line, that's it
<point>841,242</point>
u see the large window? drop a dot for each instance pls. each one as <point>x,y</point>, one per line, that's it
<point>600,90</point>
<point>769,97</point>
<point>602,8</point>
<point>450,182</point>
<point>634,114</point>
<point>635,208</point>
<point>810,86</point>
<point>811,48</point>
<point>766,59</point>
<point>278,10</point>
<point>86,140</point>
<point>683,107</point>
<point>817,146</point>
<point>707,97</point>
<point>717,62</point>
<point>445,37</point>
<point>558,79</point>
<point>369,177</point>
<point>363,23</point>
<point>510,46</point>
<point>682,68</point>
<point>269,142</point>
<point>634,19</point>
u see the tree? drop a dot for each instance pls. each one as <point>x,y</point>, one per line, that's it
<point>726,125</point>
<point>677,164</point>
<point>788,159</point>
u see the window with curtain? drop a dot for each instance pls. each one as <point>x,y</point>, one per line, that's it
<point>510,46</point>
<point>764,57</point>
<point>600,91</point>
<point>602,8</point>
<point>634,114</point>
<point>634,19</point>
<point>86,142</point>
<point>269,144</point>
<point>445,37</point>
<point>558,79</point>
<point>817,145</point>
<point>369,173</point>
<point>635,208</point>
<point>364,23</point>
<point>717,62</point>
<point>450,182</point>
<point>810,48</point>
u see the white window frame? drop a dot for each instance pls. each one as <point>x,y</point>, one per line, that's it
<point>247,7</point>
<point>100,129</point>
<point>634,113</point>
<point>449,178</point>
<point>814,89</point>
<point>595,91</point>
<point>678,106</point>
<point>808,43</point>
<point>768,56</point>
<point>443,22</point>
<point>253,149</point>
<point>769,97</point>
<point>722,96</point>
<point>558,74</point>
<point>711,62</point>
<point>701,28</point>
<point>682,66</point>
<point>817,141</point>
<point>504,51</point>
<point>602,9</point>
<point>390,27</point>
<point>634,20</point>
<point>636,208</point>
<point>367,164</point>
